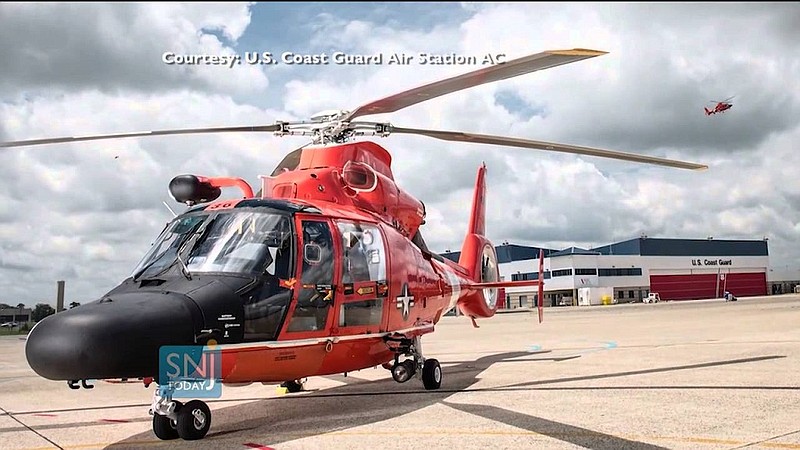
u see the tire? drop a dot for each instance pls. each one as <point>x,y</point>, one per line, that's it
<point>163,427</point>
<point>403,370</point>
<point>190,428</point>
<point>432,374</point>
<point>292,386</point>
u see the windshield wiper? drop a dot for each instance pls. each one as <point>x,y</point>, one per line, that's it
<point>184,267</point>
<point>196,237</point>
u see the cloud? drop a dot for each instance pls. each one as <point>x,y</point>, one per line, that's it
<point>120,46</point>
<point>87,212</point>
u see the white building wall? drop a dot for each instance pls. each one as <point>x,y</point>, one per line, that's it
<point>650,265</point>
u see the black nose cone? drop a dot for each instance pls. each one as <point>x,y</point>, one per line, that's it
<point>113,338</point>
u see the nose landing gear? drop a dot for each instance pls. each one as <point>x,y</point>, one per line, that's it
<point>172,419</point>
<point>429,370</point>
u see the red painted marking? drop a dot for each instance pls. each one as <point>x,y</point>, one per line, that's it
<point>257,446</point>
<point>114,420</point>
<point>46,415</point>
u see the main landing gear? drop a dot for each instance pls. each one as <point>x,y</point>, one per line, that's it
<point>429,370</point>
<point>173,419</point>
<point>293,386</point>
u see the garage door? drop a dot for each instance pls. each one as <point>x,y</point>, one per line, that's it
<point>687,287</point>
<point>744,284</point>
<point>684,287</point>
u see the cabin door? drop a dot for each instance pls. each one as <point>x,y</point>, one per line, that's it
<point>314,293</point>
<point>362,278</point>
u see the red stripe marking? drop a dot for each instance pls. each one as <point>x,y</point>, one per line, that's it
<point>114,420</point>
<point>257,446</point>
<point>45,415</point>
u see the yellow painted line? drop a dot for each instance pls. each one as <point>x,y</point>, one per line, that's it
<point>688,439</point>
<point>102,445</point>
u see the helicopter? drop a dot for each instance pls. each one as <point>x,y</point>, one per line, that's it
<point>720,106</point>
<point>323,271</point>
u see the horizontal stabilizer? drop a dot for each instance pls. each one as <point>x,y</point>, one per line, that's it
<point>500,284</point>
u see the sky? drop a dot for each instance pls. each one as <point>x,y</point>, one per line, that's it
<point>87,212</point>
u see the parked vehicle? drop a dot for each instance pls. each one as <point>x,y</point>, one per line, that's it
<point>652,298</point>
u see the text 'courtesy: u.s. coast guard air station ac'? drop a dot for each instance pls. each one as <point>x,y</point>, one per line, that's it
<point>334,58</point>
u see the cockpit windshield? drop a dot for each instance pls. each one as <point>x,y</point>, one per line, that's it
<point>245,242</point>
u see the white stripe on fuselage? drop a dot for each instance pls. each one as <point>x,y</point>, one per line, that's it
<point>314,341</point>
<point>455,285</point>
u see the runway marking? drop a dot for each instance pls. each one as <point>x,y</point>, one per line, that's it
<point>30,429</point>
<point>605,345</point>
<point>257,446</point>
<point>687,439</point>
<point>114,420</point>
<point>46,415</point>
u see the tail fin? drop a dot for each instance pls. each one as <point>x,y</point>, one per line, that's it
<point>708,112</point>
<point>473,248</point>
<point>477,218</point>
<point>478,256</point>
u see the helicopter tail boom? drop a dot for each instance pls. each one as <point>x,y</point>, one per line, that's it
<point>478,257</point>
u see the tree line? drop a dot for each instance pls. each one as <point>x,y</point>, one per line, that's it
<point>40,311</point>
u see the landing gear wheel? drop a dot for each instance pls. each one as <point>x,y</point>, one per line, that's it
<point>165,428</point>
<point>432,374</point>
<point>402,372</point>
<point>194,420</point>
<point>292,386</point>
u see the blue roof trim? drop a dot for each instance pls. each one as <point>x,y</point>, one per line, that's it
<point>702,247</point>
<point>639,246</point>
<point>574,251</point>
<point>508,253</point>
<point>629,247</point>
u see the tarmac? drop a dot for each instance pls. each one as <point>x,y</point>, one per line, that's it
<point>685,375</point>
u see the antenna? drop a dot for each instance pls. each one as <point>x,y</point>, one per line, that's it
<point>170,209</point>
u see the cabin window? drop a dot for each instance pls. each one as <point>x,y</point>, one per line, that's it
<point>360,313</point>
<point>364,257</point>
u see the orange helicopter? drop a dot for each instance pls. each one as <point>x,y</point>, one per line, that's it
<point>324,271</point>
<point>720,107</point>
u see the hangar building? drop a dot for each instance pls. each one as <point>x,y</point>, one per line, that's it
<point>676,269</point>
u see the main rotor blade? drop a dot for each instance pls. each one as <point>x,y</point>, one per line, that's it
<point>723,101</point>
<point>262,128</point>
<point>516,67</point>
<point>564,148</point>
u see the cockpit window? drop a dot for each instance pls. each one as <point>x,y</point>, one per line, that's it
<point>164,250</point>
<point>241,242</point>
<point>230,241</point>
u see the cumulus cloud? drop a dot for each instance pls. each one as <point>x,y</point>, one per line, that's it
<point>65,47</point>
<point>87,212</point>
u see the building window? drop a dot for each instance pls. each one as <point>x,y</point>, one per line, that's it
<point>630,294</point>
<point>585,271</point>
<point>627,272</point>
<point>620,294</point>
<point>529,276</point>
<point>561,273</point>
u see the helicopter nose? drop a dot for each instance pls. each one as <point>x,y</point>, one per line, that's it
<point>116,337</point>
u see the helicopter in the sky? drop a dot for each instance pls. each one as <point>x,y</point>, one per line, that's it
<point>720,107</point>
<point>323,271</point>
